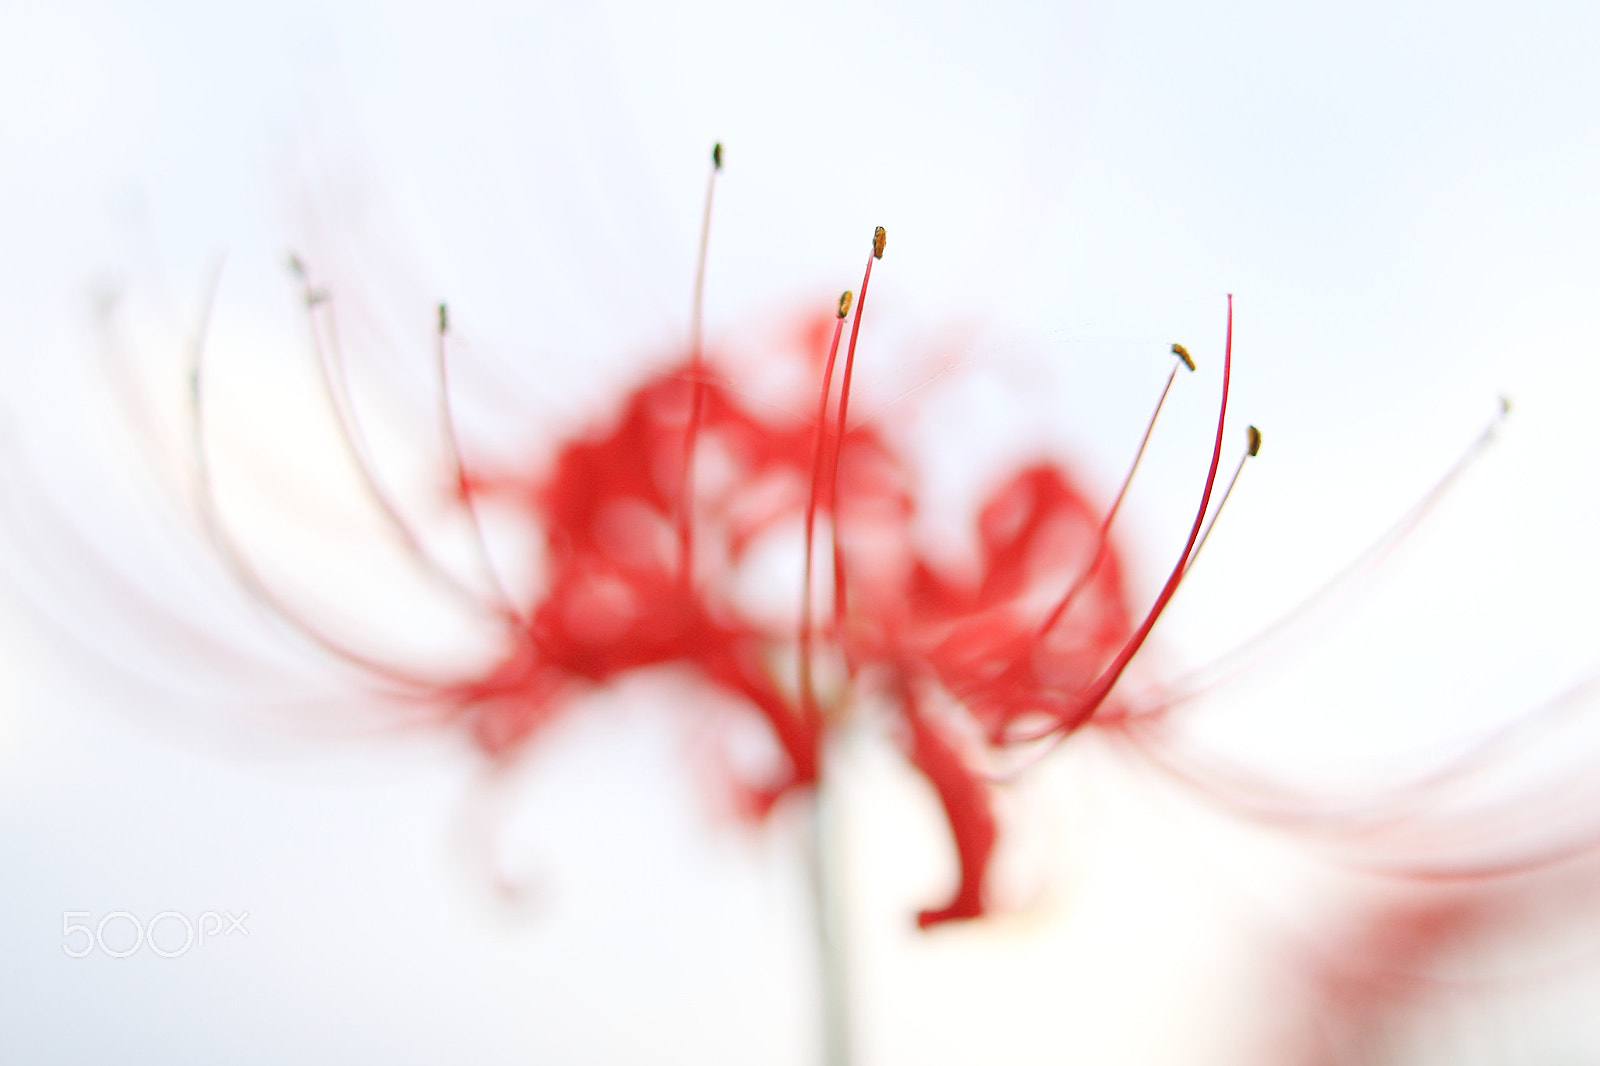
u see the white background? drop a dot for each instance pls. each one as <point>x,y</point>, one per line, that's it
<point>1400,196</point>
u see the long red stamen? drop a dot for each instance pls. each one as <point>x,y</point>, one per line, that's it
<point>697,380</point>
<point>807,697</point>
<point>1102,540</point>
<point>879,238</point>
<point>1097,692</point>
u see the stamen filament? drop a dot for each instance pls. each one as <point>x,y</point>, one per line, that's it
<point>807,694</point>
<point>335,379</point>
<point>1101,688</point>
<point>1252,447</point>
<point>507,605</point>
<point>1102,538</point>
<point>1241,657</point>
<point>697,379</point>
<point>229,550</point>
<point>879,239</point>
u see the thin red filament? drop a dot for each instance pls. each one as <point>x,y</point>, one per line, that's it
<point>1097,692</point>
<point>1250,449</point>
<point>807,694</point>
<point>844,411</point>
<point>1102,538</point>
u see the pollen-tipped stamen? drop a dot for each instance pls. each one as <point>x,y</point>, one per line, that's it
<point>879,239</point>
<point>228,549</point>
<point>1251,449</point>
<point>697,384</point>
<point>335,379</point>
<point>1237,660</point>
<point>458,475</point>
<point>1097,692</point>
<point>807,693</point>
<point>1102,538</point>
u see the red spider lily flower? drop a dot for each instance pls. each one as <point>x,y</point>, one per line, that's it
<point>650,521</point>
<point>646,519</point>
